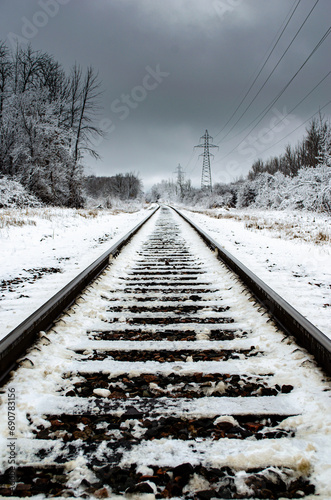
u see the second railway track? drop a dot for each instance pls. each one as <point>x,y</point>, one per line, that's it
<point>164,380</point>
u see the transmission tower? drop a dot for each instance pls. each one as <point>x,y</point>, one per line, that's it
<point>206,171</point>
<point>180,178</point>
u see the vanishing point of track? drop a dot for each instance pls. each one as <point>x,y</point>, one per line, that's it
<point>166,379</point>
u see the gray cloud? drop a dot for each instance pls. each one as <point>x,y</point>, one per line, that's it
<point>211,52</point>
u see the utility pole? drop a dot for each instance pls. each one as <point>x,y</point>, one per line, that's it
<point>206,171</point>
<point>180,178</point>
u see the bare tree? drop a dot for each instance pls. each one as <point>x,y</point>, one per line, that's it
<point>81,120</point>
<point>72,97</point>
<point>86,130</point>
<point>5,73</point>
<point>123,186</point>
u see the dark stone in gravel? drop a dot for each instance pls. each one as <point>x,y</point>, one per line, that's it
<point>205,494</point>
<point>287,388</point>
<point>182,473</point>
<point>140,488</point>
<point>174,490</point>
<point>225,493</point>
<point>132,412</point>
<point>70,394</point>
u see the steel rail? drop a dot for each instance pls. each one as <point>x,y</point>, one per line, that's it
<point>13,345</point>
<point>285,316</point>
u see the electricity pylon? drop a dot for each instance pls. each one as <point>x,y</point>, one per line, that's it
<point>206,171</point>
<point>180,178</point>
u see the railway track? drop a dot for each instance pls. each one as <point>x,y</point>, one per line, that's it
<point>165,379</point>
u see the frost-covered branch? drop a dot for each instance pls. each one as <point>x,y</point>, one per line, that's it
<point>47,123</point>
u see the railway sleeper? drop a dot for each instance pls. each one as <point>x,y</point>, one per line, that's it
<point>97,428</point>
<point>173,278</point>
<point>166,289</point>
<point>186,480</point>
<point>175,309</point>
<point>158,297</point>
<point>173,385</point>
<point>168,356</point>
<point>172,272</point>
<point>166,320</point>
<point>164,334</point>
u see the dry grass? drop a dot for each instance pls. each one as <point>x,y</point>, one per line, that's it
<point>278,228</point>
<point>322,237</point>
<point>19,217</point>
<point>8,219</point>
<point>29,216</point>
<point>88,214</point>
<point>216,216</point>
<point>288,231</point>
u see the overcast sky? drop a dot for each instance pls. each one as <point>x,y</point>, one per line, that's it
<point>170,69</point>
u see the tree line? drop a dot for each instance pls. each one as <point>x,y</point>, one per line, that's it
<point>300,178</point>
<point>120,186</point>
<point>310,152</point>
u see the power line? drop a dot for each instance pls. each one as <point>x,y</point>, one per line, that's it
<point>267,108</point>
<point>307,95</point>
<point>190,159</point>
<point>265,62</point>
<point>273,102</point>
<point>195,165</point>
<point>293,109</point>
<point>294,130</point>
<point>271,73</point>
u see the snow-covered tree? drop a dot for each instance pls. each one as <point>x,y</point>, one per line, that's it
<point>247,194</point>
<point>14,194</point>
<point>310,152</point>
<point>311,189</point>
<point>47,124</point>
<point>121,186</point>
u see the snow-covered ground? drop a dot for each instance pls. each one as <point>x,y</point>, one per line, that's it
<point>42,249</point>
<point>308,452</point>
<point>290,251</point>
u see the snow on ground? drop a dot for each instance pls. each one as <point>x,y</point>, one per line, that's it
<point>309,449</point>
<point>290,251</point>
<point>42,249</point>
